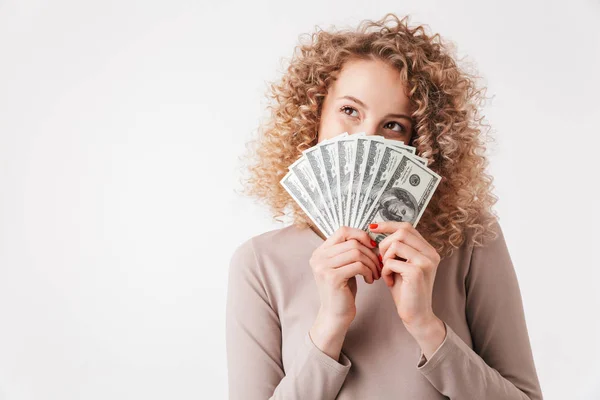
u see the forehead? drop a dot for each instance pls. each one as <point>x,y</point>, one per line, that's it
<point>375,83</point>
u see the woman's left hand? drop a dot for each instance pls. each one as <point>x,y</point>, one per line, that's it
<point>410,278</point>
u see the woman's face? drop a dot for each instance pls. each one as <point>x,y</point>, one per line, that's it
<point>368,96</point>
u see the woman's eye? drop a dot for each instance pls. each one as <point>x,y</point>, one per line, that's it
<point>401,127</point>
<point>344,108</point>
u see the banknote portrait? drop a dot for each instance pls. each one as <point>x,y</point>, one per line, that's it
<point>397,204</point>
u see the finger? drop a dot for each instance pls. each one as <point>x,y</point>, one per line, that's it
<point>349,257</point>
<point>348,245</point>
<point>407,233</point>
<point>388,226</point>
<point>406,270</point>
<point>388,278</point>
<point>431,253</point>
<point>401,235</point>
<point>356,268</point>
<point>344,233</point>
<point>400,249</point>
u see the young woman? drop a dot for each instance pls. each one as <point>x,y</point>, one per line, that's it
<point>449,320</point>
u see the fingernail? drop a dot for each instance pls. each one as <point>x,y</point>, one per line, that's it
<point>373,226</point>
<point>373,243</point>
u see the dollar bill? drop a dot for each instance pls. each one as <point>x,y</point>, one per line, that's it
<point>330,162</point>
<point>412,150</point>
<point>401,146</point>
<point>309,181</point>
<point>396,143</point>
<point>293,186</point>
<point>346,149</point>
<point>405,195</point>
<point>374,155</point>
<point>327,153</point>
<point>315,160</point>
<point>360,164</point>
<point>385,168</point>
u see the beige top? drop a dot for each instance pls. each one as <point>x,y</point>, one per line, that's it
<point>272,302</point>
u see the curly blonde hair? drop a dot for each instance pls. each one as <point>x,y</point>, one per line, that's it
<point>447,130</point>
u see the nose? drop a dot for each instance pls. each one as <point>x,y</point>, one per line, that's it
<point>370,130</point>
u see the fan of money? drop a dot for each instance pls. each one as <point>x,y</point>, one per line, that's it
<point>355,180</point>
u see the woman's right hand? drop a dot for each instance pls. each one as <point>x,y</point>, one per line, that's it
<point>346,253</point>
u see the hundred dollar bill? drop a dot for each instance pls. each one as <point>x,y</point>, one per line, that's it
<point>330,162</point>
<point>315,160</point>
<point>405,195</point>
<point>396,143</point>
<point>346,149</point>
<point>304,172</point>
<point>415,157</point>
<point>375,151</point>
<point>403,147</point>
<point>292,185</point>
<point>360,164</point>
<point>389,159</point>
<point>374,154</point>
<point>421,160</point>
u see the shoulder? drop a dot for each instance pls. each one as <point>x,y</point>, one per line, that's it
<point>271,245</point>
<point>490,241</point>
<point>489,254</point>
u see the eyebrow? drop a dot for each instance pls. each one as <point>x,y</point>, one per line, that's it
<point>354,99</point>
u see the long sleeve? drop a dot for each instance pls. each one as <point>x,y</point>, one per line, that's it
<point>500,365</point>
<point>253,340</point>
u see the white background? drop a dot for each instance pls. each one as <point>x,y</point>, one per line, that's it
<point>121,124</point>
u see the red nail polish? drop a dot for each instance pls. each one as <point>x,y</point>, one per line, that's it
<point>373,243</point>
<point>373,226</point>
